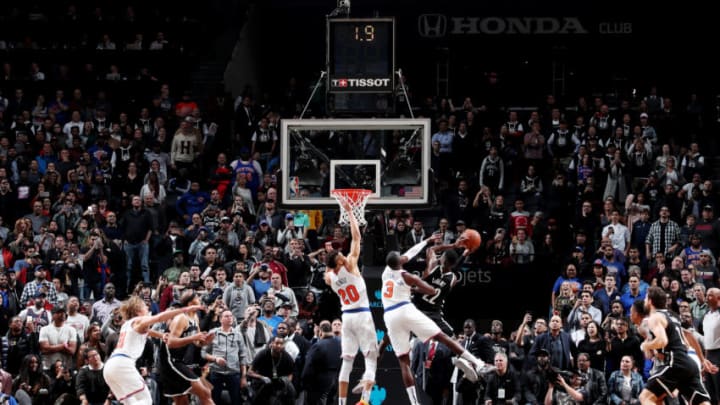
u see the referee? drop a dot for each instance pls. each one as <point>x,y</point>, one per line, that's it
<point>711,340</point>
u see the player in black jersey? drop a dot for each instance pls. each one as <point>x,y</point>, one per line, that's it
<point>439,274</point>
<point>679,370</point>
<point>177,373</point>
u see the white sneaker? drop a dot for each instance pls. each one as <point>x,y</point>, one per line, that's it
<point>467,369</point>
<point>483,368</point>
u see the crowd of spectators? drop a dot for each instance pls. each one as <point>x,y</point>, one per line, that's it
<point>102,198</point>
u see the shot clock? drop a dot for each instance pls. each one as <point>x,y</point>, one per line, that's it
<point>361,55</point>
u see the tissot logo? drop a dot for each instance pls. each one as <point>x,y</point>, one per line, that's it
<point>438,25</point>
<point>357,83</point>
<point>432,25</point>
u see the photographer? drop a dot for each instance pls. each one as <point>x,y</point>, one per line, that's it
<point>272,374</point>
<point>289,233</point>
<point>215,307</point>
<point>255,332</point>
<point>566,393</point>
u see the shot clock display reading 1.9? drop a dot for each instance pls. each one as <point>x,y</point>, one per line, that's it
<point>361,48</point>
<point>365,33</point>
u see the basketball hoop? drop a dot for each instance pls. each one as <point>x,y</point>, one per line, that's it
<point>357,198</point>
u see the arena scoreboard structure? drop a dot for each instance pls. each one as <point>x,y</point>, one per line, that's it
<point>361,55</point>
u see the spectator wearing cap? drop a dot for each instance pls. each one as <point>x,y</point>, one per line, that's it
<point>172,274</point>
<point>24,266</point>
<point>192,202</point>
<point>707,272</point>
<point>37,314</point>
<point>268,316</point>
<point>536,384</point>
<point>227,231</point>
<point>708,228</point>
<point>264,236</point>
<point>57,343</point>
<point>268,211</point>
<point>40,283</point>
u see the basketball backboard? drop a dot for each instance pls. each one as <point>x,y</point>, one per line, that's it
<point>391,157</point>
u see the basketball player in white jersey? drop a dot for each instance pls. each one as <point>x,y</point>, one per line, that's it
<point>121,375</point>
<point>402,318</point>
<point>358,328</point>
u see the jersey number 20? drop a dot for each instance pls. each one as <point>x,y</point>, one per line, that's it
<point>349,295</point>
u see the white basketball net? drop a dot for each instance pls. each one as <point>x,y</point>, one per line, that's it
<point>357,198</point>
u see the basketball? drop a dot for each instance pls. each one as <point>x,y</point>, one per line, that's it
<point>470,239</point>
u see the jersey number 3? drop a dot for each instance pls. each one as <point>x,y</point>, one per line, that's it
<point>388,289</point>
<point>349,294</point>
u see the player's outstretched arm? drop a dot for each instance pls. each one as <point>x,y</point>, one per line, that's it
<point>419,284</point>
<point>144,323</point>
<point>413,251</point>
<point>356,238</point>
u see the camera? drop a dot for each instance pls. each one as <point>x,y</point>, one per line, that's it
<point>343,4</point>
<point>552,373</point>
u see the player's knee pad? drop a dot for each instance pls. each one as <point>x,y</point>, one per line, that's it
<point>370,366</point>
<point>345,369</point>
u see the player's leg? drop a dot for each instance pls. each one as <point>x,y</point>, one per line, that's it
<point>141,398</point>
<point>367,337</point>
<point>408,379</point>
<point>399,327</point>
<point>350,345</point>
<point>344,378</point>
<point>181,400</point>
<point>647,398</point>
<point>201,390</point>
